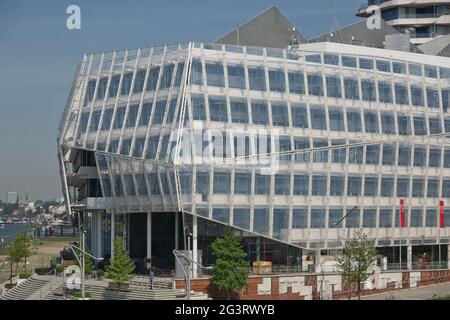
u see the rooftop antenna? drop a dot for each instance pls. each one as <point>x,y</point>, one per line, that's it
<point>335,33</point>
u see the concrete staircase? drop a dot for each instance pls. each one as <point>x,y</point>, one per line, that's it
<point>31,287</point>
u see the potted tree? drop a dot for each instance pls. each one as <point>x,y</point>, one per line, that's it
<point>121,268</point>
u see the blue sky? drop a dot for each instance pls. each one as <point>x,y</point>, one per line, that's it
<point>39,55</point>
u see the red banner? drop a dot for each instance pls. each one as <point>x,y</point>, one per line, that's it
<point>441,214</point>
<point>402,213</point>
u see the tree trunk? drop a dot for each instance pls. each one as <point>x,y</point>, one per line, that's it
<point>228,295</point>
<point>25,264</point>
<point>349,290</point>
<point>10,275</point>
<point>359,290</point>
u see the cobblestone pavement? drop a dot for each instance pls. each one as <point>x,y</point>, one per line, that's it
<point>423,293</point>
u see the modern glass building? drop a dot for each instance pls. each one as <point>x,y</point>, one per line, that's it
<point>293,148</point>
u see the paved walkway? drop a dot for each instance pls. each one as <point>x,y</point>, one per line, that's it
<point>422,293</point>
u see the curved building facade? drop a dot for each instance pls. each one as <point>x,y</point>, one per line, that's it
<point>295,149</point>
<point>423,20</point>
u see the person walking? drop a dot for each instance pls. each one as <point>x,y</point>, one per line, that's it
<point>151,274</point>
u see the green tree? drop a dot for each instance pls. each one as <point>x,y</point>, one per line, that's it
<point>121,268</point>
<point>15,254</point>
<point>88,262</point>
<point>358,255</point>
<point>230,263</point>
<point>28,245</point>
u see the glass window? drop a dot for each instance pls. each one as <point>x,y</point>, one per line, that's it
<point>334,86</point>
<point>446,188</point>
<point>431,218</point>
<point>387,187</point>
<point>257,79</point>
<point>317,218</point>
<point>385,92</point>
<point>431,71</point>
<point>118,188</point>
<point>221,182</point>
<point>315,85</point>
<point>277,81</point>
<point>241,218</point>
<point>218,109</point>
<point>319,185</point>
<point>262,184</point>
<point>139,81</point>
<point>160,109</point>
<point>132,116</point>
<point>369,218</point>
<point>387,123</point>
<point>107,118</point>
<point>339,154</point>
<point>152,147</point>
<point>282,184</point>
<point>446,158</point>
<point>203,184</point>
<point>404,155</point>
<point>242,183</point>
<point>126,83</point>
<point>301,185</point>
<point>166,77</point>
<point>120,116</point>
<point>145,114</point>
<point>84,121</point>
<point>214,74</point>
<point>139,147</point>
<point>445,99</point>
<point>368,90</point>
<point>331,59</point>
<point>260,113</point>
<point>101,90</point>
<point>404,125</point>
<point>320,156</point>
<point>420,156</point>
<point>371,186</point>
<point>420,126</point>
<point>417,96</point>
<point>336,186</point>
<point>403,187</point>
<point>383,66</point>
<point>114,86</point>
<point>354,121</point>
<point>389,154</point>
<point>302,144</point>
<point>432,98</point>
<point>415,69</point>
<point>447,125</point>
<point>221,214</point>
<point>399,67</point>
<point>336,119</point>
<point>435,158</point>
<point>366,63</point>
<point>95,120</point>
<point>385,218</point>
<point>416,218</point>
<point>198,107</point>
<point>371,122</point>
<point>433,188</point>
<point>280,222</point>
<point>401,94</point>
<point>354,186</point>
<point>348,61</point>
<point>179,75</point>
<point>355,155</point>
<point>318,117</point>
<point>236,76</point>
<point>296,83</point>
<point>373,154</point>
<point>280,114</point>
<point>299,218</point>
<point>126,146</point>
<point>335,218</point>
<point>351,89</point>
<point>418,187</point>
<point>196,72</point>
<point>261,221</point>
<point>239,112</point>
<point>435,125</point>
<point>315,58</point>
<point>352,219</point>
<point>299,115</point>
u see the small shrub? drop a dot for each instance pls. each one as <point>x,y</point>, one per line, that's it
<point>100,273</point>
<point>78,294</point>
<point>59,268</point>
<point>10,285</point>
<point>24,275</point>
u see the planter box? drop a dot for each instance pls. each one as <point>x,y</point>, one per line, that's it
<point>123,287</point>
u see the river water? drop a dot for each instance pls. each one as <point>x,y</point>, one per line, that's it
<point>9,230</point>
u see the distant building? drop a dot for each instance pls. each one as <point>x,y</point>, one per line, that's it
<point>11,197</point>
<point>423,20</point>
